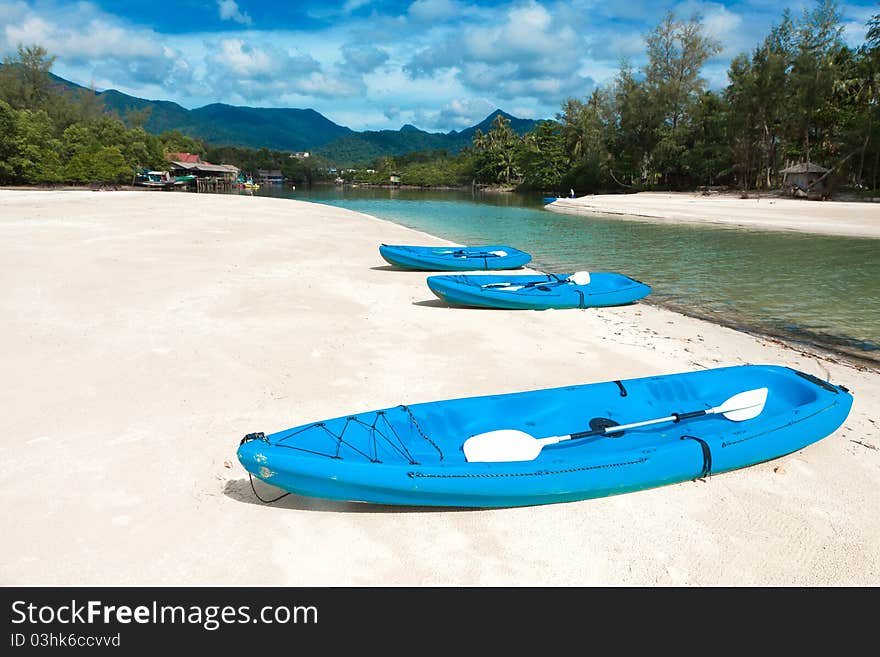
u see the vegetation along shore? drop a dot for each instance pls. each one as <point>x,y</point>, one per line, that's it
<point>801,96</point>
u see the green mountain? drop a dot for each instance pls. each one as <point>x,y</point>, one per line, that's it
<point>284,129</point>
<point>366,146</point>
<point>289,129</point>
<point>280,129</point>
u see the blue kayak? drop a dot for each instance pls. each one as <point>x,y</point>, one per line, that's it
<point>539,291</point>
<point>415,455</point>
<point>454,258</point>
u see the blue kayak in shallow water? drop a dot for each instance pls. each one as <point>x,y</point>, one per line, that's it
<point>539,291</point>
<point>454,258</point>
<point>414,455</point>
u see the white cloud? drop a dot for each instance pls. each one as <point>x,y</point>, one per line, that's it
<point>229,11</point>
<point>31,30</point>
<point>240,59</point>
<point>720,23</point>
<point>439,64</point>
<point>464,112</point>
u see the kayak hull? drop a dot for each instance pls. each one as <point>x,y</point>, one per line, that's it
<point>537,292</point>
<point>412,455</point>
<point>453,258</point>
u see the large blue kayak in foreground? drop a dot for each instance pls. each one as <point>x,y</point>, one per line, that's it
<point>413,455</point>
<point>454,258</point>
<point>538,292</point>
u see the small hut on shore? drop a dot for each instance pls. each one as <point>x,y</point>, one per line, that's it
<point>207,177</point>
<point>806,179</point>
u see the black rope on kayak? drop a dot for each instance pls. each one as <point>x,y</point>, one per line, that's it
<point>374,450</point>
<point>381,429</point>
<point>536,473</point>
<point>374,431</point>
<point>257,435</point>
<point>623,392</point>
<point>294,433</point>
<point>340,441</point>
<point>707,456</point>
<point>415,424</point>
<point>253,488</point>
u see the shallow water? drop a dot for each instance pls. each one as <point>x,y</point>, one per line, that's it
<point>813,289</point>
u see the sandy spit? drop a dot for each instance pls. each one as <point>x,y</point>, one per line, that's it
<point>845,218</point>
<point>144,334</point>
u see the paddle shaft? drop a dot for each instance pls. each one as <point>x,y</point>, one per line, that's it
<point>675,417</point>
<point>470,254</point>
<point>531,284</point>
<point>515,445</point>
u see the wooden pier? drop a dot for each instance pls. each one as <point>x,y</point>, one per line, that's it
<point>213,184</point>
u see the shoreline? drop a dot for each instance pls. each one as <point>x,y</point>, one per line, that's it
<point>774,213</point>
<point>823,351</point>
<point>151,332</point>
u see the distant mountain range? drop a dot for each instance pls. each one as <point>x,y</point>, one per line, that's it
<point>289,129</point>
<point>368,145</point>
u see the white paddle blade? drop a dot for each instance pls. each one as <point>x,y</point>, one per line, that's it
<point>500,254</point>
<point>501,445</point>
<point>743,406</point>
<point>580,278</point>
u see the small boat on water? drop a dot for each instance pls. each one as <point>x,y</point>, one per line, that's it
<point>539,291</point>
<point>453,258</point>
<point>246,182</point>
<point>153,179</point>
<point>556,444</point>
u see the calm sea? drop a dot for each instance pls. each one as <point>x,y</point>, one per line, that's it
<point>808,289</point>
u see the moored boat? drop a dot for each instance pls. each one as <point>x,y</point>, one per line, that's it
<point>591,440</point>
<point>453,258</point>
<point>538,291</point>
<point>153,179</point>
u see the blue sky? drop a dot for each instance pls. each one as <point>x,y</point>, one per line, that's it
<point>438,64</point>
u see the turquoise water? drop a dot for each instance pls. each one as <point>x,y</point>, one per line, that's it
<point>810,289</point>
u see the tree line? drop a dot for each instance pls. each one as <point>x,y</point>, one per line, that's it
<point>801,95</point>
<point>51,135</point>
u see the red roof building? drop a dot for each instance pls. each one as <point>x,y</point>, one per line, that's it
<point>189,158</point>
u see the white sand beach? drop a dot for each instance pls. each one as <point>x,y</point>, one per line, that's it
<point>145,333</point>
<point>851,219</point>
